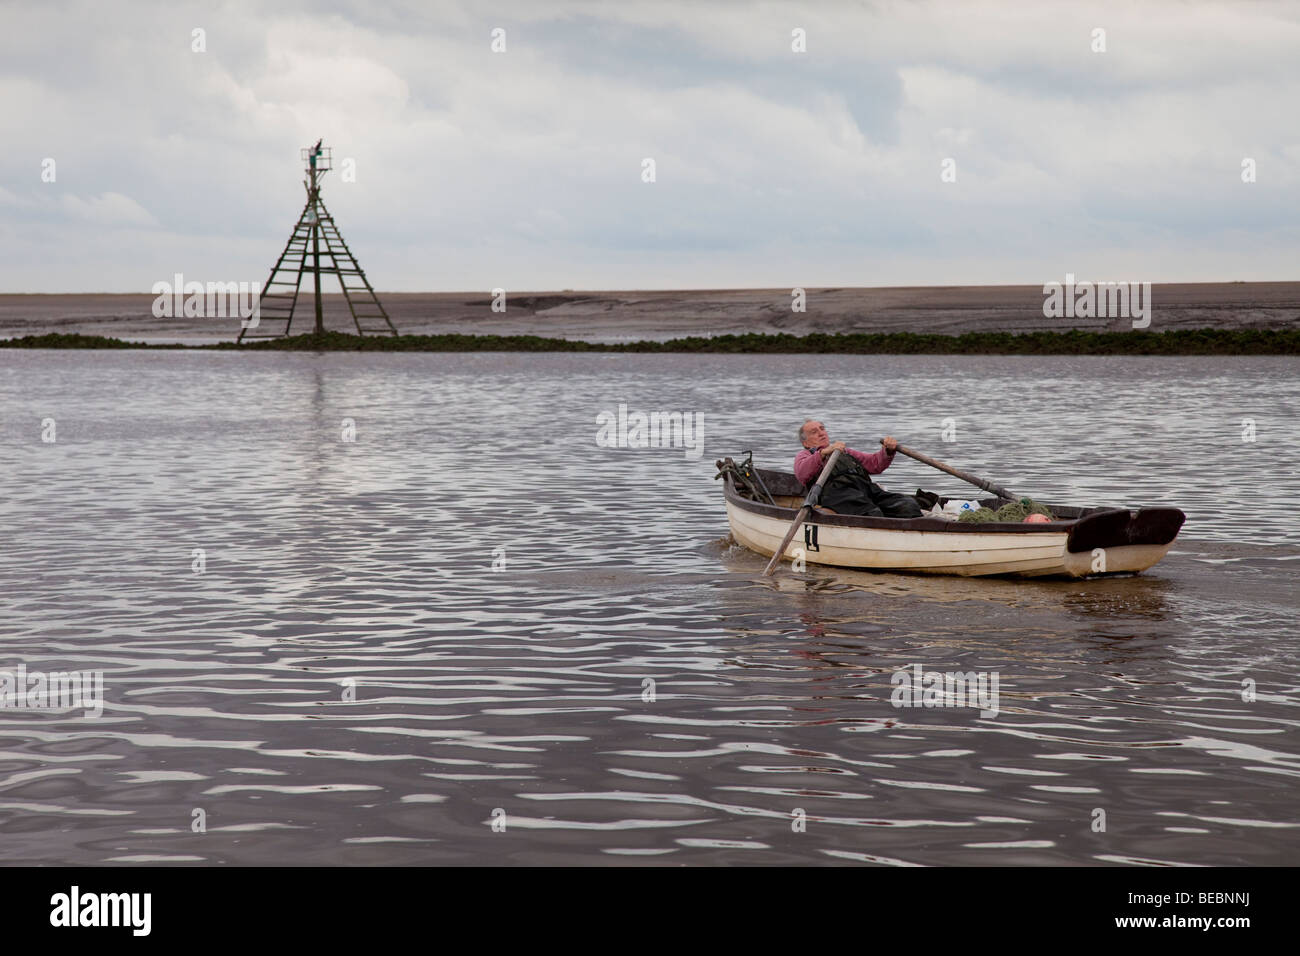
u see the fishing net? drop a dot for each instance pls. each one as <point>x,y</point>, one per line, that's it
<point>1014,511</point>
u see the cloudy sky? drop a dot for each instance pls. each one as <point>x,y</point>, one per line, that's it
<point>773,168</point>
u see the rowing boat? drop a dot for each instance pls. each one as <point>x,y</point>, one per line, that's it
<point>1082,542</point>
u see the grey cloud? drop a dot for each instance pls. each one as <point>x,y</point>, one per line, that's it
<point>528,162</point>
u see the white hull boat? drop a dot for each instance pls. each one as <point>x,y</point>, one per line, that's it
<point>1081,543</point>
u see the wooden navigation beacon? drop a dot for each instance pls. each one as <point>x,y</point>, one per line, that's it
<point>314,239</point>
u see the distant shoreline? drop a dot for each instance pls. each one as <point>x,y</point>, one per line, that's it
<point>1075,342</point>
<point>631,316</point>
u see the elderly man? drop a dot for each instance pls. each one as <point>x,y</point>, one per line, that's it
<point>849,489</point>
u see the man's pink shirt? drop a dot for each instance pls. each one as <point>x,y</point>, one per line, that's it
<point>808,463</point>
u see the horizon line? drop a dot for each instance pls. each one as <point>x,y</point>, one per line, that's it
<point>783,289</point>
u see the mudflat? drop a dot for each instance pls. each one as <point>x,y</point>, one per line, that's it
<point>622,316</point>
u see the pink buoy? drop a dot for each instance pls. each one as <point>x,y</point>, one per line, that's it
<point>1035,518</point>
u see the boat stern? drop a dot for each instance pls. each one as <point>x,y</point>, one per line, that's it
<point>1119,540</point>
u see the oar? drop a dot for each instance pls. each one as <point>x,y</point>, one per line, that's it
<point>808,504</point>
<point>958,473</point>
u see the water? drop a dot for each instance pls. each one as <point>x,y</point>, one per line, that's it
<point>627,688</point>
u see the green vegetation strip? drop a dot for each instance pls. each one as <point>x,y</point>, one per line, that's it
<point>1181,342</point>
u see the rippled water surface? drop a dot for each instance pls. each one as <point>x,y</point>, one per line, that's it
<point>623,686</point>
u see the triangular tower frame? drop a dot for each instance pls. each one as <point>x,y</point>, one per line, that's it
<point>316,237</point>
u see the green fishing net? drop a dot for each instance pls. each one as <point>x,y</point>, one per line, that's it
<point>1014,511</point>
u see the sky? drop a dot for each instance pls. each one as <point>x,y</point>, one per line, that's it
<point>905,144</point>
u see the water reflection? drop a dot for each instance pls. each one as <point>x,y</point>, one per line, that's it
<point>1140,595</point>
<point>1137,596</point>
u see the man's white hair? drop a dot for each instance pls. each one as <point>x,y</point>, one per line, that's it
<point>805,424</point>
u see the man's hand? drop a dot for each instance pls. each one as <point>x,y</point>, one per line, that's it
<point>836,446</point>
<point>890,443</point>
